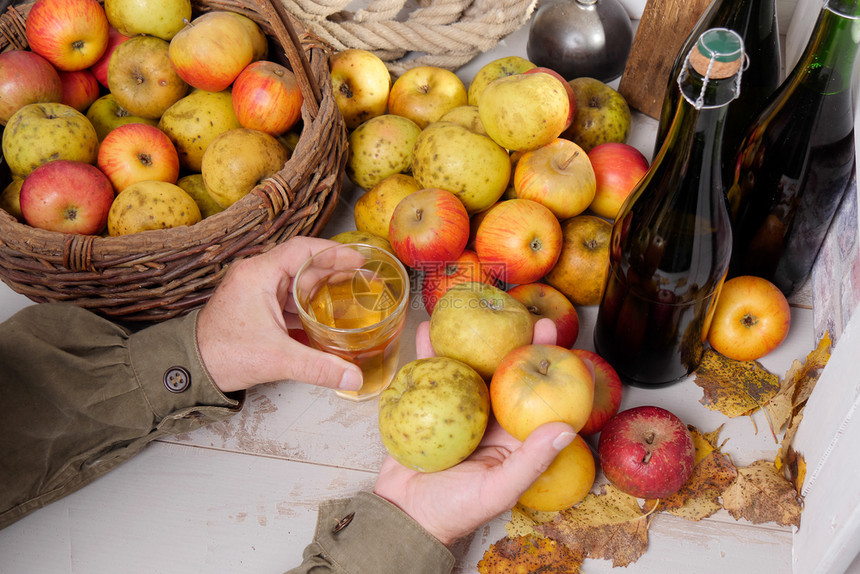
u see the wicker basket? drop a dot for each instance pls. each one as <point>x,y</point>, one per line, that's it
<point>155,275</point>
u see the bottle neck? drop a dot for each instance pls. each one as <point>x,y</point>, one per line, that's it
<point>827,62</point>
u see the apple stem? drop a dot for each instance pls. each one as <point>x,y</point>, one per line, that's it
<point>749,320</point>
<point>568,160</point>
<point>543,367</point>
<point>419,214</point>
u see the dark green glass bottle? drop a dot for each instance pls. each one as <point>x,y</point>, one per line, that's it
<point>755,21</point>
<point>671,242</point>
<point>797,159</point>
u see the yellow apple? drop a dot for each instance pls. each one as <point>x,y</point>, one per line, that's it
<point>467,116</point>
<point>142,78</point>
<point>499,68</point>
<point>361,83</point>
<point>566,481</point>
<point>373,209</point>
<point>194,186</point>
<point>582,267</point>
<point>106,115</point>
<point>356,236</point>
<point>147,205</point>
<point>380,147</point>
<point>10,198</point>
<point>425,93</point>
<point>159,18</point>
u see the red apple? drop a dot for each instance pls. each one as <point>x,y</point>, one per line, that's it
<point>26,78</point>
<point>543,300</point>
<point>646,452</point>
<point>138,152</point>
<point>568,88</point>
<point>71,34</point>
<point>618,167</point>
<point>557,175</point>
<point>100,68</point>
<point>520,240</point>
<point>608,391</point>
<point>751,319</point>
<point>537,384</point>
<point>428,228</point>
<point>80,89</point>
<point>67,196</point>
<point>439,278</point>
<point>266,97</point>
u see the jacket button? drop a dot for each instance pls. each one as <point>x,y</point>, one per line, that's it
<point>177,379</point>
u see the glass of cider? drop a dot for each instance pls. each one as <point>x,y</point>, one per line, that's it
<point>352,301</point>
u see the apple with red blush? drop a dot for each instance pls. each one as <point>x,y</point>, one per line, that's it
<point>267,97</point>
<point>138,152</point>
<point>618,167</point>
<point>608,392</point>
<point>428,227</point>
<point>26,78</point>
<point>439,278</point>
<point>71,34</point>
<point>543,300</point>
<point>100,68</point>
<point>80,89</point>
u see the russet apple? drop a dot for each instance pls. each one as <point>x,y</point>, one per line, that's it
<point>137,152</point>
<point>212,50</point>
<point>100,68</point>
<point>519,240</point>
<point>543,300</point>
<point>159,18</point>
<point>751,319</point>
<point>479,324</point>
<point>646,452</point>
<point>524,111</point>
<point>470,165</point>
<point>380,147</point>
<point>602,114</point>
<point>428,228</point>
<point>71,34</point>
<point>557,175</point>
<point>618,167</point>
<point>361,82</point>
<point>238,160</point>
<point>425,93</point>
<point>66,196</point>
<point>148,205</point>
<point>26,78</point>
<point>434,413</point>
<point>583,265</point>
<point>80,89</point>
<point>39,133</point>
<point>566,481</point>
<point>374,207</point>
<point>499,68</point>
<point>608,392</point>
<point>106,115</point>
<point>194,121</point>
<point>439,278</point>
<point>194,186</point>
<point>142,78</point>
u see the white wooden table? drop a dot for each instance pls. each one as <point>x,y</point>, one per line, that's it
<point>241,496</point>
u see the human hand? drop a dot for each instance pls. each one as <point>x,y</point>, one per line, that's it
<point>242,331</point>
<point>454,502</point>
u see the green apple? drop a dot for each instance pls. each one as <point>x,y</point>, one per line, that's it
<point>106,114</point>
<point>525,111</point>
<point>194,121</point>
<point>471,166</point>
<point>10,198</point>
<point>380,147</point>
<point>159,18</point>
<point>602,114</point>
<point>434,413</point>
<point>479,324</point>
<point>39,133</point>
<point>507,66</point>
<point>194,186</point>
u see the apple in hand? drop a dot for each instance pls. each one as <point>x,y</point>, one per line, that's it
<point>479,324</point>
<point>557,175</point>
<point>267,97</point>
<point>618,167</point>
<point>537,384</point>
<point>543,300</point>
<point>26,78</point>
<point>67,196</point>
<point>425,93</point>
<point>361,82</point>
<point>567,87</point>
<point>602,114</point>
<point>439,278</point>
<point>80,89</point>
<point>71,34</point>
<point>520,240</point>
<point>608,391</point>
<point>751,319</point>
<point>100,68</point>
<point>646,452</point>
<point>428,228</point>
<point>137,152</point>
<point>566,481</point>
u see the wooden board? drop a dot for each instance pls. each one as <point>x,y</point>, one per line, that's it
<point>663,29</point>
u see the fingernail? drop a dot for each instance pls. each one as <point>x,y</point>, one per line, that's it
<point>562,440</point>
<point>350,381</point>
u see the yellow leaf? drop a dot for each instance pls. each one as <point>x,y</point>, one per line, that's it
<point>523,521</point>
<point>705,443</point>
<point>734,388</point>
<point>762,494</point>
<point>700,495</point>
<point>529,554</point>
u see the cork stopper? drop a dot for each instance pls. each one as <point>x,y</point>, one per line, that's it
<point>719,53</point>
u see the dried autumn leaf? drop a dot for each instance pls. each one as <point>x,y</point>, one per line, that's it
<point>734,388</point>
<point>762,494</point>
<point>795,465</point>
<point>523,521</point>
<point>609,525</point>
<point>528,554</point>
<point>705,443</point>
<point>700,495</point>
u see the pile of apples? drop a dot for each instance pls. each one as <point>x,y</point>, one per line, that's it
<point>131,115</point>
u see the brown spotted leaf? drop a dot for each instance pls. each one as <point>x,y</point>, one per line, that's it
<point>705,443</point>
<point>609,525</point>
<point>762,494</point>
<point>734,388</point>
<point>523,521</point>
<point>528,554</point>
<point>700,495</point>
<point>795,465</point>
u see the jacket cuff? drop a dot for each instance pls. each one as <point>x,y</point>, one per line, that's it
<point>378,538</point>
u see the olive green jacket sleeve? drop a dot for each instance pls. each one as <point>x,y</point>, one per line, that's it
<point>82,395</point>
